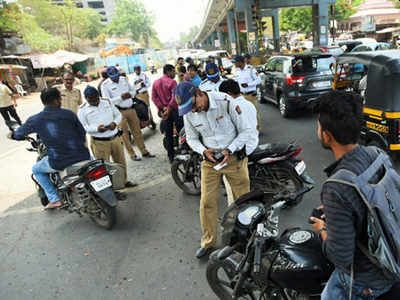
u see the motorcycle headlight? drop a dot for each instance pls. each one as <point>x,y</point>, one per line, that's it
<point>249,214</point>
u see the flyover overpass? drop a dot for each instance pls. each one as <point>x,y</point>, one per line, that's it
<point>224,19</point>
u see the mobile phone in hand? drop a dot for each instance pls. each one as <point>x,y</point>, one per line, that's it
<point>316,213</point>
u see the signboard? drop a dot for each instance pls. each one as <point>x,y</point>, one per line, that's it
<point>252,36</point>
<point>217,43</point>
<point>233,48</point>
<point>368,24</point>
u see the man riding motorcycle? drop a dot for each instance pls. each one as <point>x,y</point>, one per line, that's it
<point>64,137</point>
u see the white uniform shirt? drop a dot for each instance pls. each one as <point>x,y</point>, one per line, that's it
<point>246,115</point>
<point>247,75</point>
<point>218,128</point>
<point>144,78</point>
<point>113,91</point>
<point>92,117</point>
<point>209,86</point>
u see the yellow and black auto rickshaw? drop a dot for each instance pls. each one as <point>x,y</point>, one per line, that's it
<point>381,93</point>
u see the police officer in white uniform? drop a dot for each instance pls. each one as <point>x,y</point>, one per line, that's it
<point>247,115</point>
<point>118,90</point>
<point>213,117</point>
<point>213,80</point>
<point>100,119</point>
<point>248,79</point>
<point>141,82</point>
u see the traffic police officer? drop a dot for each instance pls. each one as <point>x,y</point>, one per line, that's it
<point>247,115</point>
<point>142,83</point>
<point>70,97</point>
<point>213,80</point>
<point>248,80</point>
<point>213,130</point>
<point>100,119</point>
<point>118,90</point>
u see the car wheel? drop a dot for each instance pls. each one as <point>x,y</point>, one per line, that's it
<point>283,107</point>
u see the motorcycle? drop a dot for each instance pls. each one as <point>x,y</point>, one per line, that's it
<point>272,168</point>
<point>257,263</point>
<point>85,187</point>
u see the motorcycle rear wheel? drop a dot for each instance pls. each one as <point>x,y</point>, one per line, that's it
<point>178,172</point>
<point>107,217</point>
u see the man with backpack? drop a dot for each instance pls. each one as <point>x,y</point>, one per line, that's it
<point>360,179</point>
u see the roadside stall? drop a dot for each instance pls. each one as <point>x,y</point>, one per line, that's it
<point>50,65</point>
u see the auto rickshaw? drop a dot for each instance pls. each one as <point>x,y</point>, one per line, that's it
<point>382,94</point>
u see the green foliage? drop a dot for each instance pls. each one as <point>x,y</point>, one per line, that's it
<point>47,27</point>
<point>7,17</point>
<point>396,3</point>
<point>36,37</point>
<point>296,19</point>
<point>131,19</point>
<point>345,8</point>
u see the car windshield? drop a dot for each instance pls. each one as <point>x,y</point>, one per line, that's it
<point>308,64</point>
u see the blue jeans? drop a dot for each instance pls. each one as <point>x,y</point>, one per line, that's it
<point>337,288</point>
<point>41,172</point>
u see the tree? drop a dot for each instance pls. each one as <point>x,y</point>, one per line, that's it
<point>345,8</point>
<point>64,22</point>
<point>131,19</point>
<point>7,17</point>
<point>297,19</point>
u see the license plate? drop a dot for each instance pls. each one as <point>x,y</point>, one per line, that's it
<point>300,167</point>
<point>321,84</point>
<point>101,184</point>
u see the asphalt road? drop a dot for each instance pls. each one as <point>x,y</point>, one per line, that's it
<point>150,252</point>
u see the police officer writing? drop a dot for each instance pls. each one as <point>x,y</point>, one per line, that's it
<point>100,119</point>
<point>248,80</point>
<point>118,90</point>
<point>214,131</point>
<point>142,83</point>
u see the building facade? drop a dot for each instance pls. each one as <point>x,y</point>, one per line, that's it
<point>105,8</point>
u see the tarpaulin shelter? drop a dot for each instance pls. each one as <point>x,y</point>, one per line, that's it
<point>57,59</point>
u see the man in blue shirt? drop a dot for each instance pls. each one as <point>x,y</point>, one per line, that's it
<point>64,137</point>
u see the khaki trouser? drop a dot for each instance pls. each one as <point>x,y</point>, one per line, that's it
<point>130,118</point>
<point>253,99</point>
<point>146,99</point>
<point>106,149</point>
<point>237,174</point>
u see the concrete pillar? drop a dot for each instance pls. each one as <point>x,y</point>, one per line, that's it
<point>220,39</point>
<point>321,23</point>
<point>275,25</point>
<point>230,19</point>
<point>252,38</point>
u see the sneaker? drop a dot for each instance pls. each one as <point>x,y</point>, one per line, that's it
<point>135,157</point>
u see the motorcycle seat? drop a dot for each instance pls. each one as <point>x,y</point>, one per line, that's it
<point>73,169</point>
<point>270,150</point>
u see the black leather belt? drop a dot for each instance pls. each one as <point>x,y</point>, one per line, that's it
<point>105,138</point>
<point>254,93</point>
<point>122,108</point>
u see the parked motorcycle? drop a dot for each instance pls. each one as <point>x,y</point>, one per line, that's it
<point>272,168</point>
<point>85,187</point>
<point>258,263</point>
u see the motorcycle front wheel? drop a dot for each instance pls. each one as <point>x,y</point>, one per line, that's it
<point>188,183</point>
<point>106,217</point>
<point>221,277</point>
